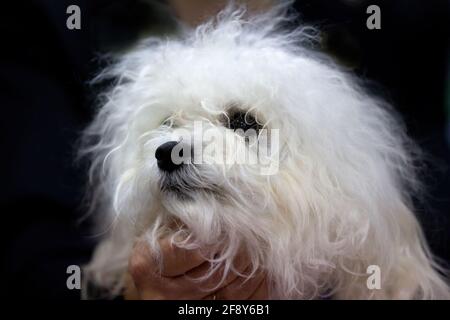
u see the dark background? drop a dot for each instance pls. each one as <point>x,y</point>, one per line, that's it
<point>46,102</point>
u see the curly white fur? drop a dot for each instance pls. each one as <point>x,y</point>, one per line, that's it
<point>341,200</point>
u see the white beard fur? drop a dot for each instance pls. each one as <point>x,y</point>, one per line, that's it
<point>341,200</point>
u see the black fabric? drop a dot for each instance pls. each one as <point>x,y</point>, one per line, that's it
<point>46,102</point>
<point>407,61</point>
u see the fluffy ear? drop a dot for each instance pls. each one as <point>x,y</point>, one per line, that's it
<point>414,272</point>
<point>407,269</point>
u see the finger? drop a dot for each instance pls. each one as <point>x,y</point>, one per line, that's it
<point>217,279</point>
<point>170,288</point>
<point>177,261</point>
<point>241,288</point>
<point>141,264</point>
<point>262,292</point>
<point>130,290</point>
<point>148,281</point>
<point>189,284</point>
<point>210,297</point>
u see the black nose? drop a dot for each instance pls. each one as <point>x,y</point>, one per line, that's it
<point>163,155</point>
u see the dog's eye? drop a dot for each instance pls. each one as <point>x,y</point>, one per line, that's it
<point>242,120</point>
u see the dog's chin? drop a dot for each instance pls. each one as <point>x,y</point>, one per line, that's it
<point>184,193</point>
<point>176,187</point>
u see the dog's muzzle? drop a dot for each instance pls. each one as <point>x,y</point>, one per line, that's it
<point>179,175</point>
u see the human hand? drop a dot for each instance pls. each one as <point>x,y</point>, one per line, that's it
<point>174,281</point>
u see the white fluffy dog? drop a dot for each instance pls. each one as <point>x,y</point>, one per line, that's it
<point>335,200</point>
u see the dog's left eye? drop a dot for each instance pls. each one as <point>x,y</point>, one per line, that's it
<point>242,120</point>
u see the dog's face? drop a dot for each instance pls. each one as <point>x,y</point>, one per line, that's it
<point>221,147</point>
<point>209,144</point>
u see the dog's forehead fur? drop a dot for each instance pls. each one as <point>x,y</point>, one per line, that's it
<point>223,62</point>
<point>251,63</point>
